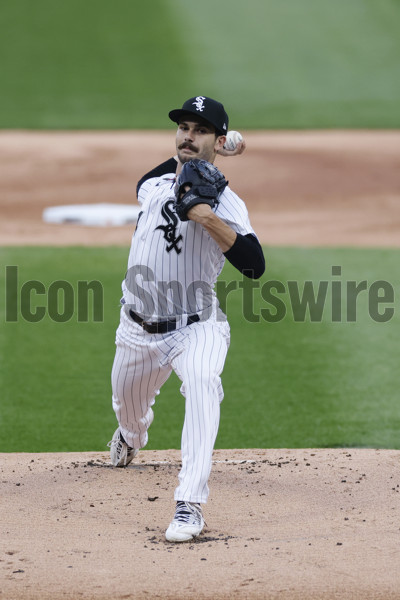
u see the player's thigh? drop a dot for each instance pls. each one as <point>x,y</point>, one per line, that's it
<point>137,374</point>
<point>203,355</point>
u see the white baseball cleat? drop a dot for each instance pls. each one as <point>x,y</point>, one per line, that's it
<point>187,523</point>
<point>120,453</point>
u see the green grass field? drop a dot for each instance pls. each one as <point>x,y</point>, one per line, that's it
<point>274,64</point>
<point>289,381</point>
<point>295,382</point>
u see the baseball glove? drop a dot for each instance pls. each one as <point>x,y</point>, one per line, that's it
<point>206,186</point>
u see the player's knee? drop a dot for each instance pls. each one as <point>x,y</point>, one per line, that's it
<point>204,384</point>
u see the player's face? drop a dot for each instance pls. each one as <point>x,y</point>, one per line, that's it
<point>197,139</point>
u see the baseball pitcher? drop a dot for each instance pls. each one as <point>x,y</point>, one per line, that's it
<point>190,222</point>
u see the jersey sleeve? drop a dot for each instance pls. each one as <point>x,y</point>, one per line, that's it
<point>232,210</point>
<point>246,254</point>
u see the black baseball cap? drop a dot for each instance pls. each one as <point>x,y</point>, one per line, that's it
<point>208,109</point>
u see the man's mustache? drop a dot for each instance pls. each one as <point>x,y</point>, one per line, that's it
<point>187,145</point>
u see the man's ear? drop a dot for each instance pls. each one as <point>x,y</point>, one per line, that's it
<point>219,142</point>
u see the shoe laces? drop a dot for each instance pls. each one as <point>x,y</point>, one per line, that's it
<point>119,442</point>
<point>188,512</point>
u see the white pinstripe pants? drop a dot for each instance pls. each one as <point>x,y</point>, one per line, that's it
<point>142,364</point>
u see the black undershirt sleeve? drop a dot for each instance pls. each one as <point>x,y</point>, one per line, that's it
<point>247,256</point>
<point>169,166</point>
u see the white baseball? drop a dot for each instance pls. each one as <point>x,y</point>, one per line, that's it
<point>232,140</point>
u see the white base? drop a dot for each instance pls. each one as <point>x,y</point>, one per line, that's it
<point>93,215</point>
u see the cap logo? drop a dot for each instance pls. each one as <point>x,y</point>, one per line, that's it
<point>199,103</point>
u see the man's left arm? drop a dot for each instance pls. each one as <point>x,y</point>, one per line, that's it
<point>244,252</point>
<point>247,255</point>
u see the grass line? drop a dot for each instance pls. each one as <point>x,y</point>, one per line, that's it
<point>291,383</point>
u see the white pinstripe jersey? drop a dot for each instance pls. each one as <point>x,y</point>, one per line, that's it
<point>173,265</point>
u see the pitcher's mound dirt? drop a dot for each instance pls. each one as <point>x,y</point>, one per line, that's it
<point>281,524</point>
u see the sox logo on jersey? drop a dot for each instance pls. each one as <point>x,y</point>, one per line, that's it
<point>170,228</point>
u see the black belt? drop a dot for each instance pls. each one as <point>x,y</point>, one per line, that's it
<point>161,326</point>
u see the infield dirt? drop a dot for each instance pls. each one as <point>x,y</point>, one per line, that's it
<point>281,524</point>
<point>301,188</point>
